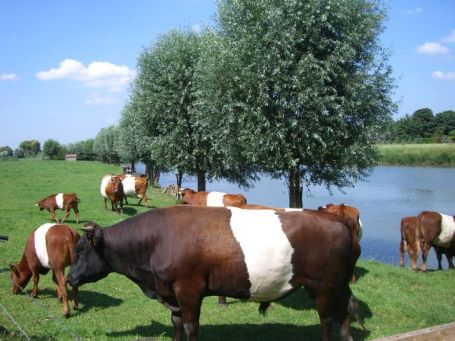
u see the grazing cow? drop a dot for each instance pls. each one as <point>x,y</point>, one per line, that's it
<point>438,230</point>
<point>184,253</point>
<point>134,186</point>
<point>214,199</point>
<point>409,240</point>
<point>62,201</point>
<point>50,246</point>
<point>112,189</point>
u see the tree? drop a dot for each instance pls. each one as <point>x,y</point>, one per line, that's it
<point>106,144</point>
<point>425,121</point>
<point>31,147</point>
<point>6,151</point>
<point>53,150</point>
<point>315,87</point>
<point>446,120</point>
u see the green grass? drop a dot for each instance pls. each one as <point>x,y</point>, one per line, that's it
<point>437,155</point>
<point>392,300</point>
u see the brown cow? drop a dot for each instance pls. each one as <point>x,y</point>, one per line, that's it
<point>62,201</point>
<point>51,246</point>
<point>438,230</point>
<point>409,240</point>
<point>214,199</point>
<point>112,189</point>
<point>185,253</point>
<point>134,186</point>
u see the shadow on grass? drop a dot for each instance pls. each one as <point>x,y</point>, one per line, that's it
<point>129,211</point>
<point>266,331</point>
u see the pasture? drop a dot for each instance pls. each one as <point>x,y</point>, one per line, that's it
<point>392,300</point>
<point>436,155</point>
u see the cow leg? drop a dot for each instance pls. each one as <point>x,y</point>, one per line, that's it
<point>62,285</point>
<point>438,256</point>
<point>54,217</point>
<point>105,203</point>
<point>59,294</point>
<point>425,247</point>
<point>35,279</point>
<point>402,250</point>
<point>449,260</point>
<point>67,213</point>
<point>189,298</point>
<point>75,299</point>
<point>76,212</point>
<point>323,305</point>
<point>222,300</point>
<point>177,322</point>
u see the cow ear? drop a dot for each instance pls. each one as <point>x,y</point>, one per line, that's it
<point>14,269</point>
<point>95,237</point>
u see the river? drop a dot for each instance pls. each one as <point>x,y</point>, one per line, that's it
<point>386,196</point>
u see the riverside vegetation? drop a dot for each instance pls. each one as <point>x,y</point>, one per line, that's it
<point>432,155</point>
<point>392,300</point>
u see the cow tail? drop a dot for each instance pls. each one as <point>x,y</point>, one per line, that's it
<point>354,311</point>
<point>72,247</point>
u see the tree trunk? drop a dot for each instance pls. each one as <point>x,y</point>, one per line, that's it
<point>133,167</point>
<point>200,180</point>
<point>295,189</point>
<point>179,178</point>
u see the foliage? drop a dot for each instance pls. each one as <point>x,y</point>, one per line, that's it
<point>53,150</point>
<point>422,126</point>
<point>314,85</point>
<point>434,155</point>
<point>6,151</point>
<point>116,309</point>
<point>105,145</point>
<point>83,149</point>
<point>30,147</point>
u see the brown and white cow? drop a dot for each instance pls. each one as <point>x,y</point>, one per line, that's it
<point>112,189</point>
<point>438,230</point>
<point>409,240</point>
<point>184,253</point>
<point>134,186</point>
<point>62,201</point>
<point>213,199</point>
<point>49,247</point>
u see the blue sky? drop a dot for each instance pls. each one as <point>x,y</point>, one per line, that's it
<point>65,66</point>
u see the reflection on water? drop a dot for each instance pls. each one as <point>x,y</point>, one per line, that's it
<point>389,194</point>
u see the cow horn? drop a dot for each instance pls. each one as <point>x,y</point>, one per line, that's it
<point>89,227</point>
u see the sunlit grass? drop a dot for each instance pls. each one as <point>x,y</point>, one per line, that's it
<point>439,155</point>
<point>392,300</point>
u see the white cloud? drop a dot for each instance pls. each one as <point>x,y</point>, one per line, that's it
<point>97,99</point>
<point>450,38</point>
<point>432,48</point>
<point>446,76</point>
<point>8,77</point>
<point>96,74</point>
<point>413,11</point>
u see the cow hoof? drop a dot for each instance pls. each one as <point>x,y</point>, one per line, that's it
<point>75,307</point>
<point>66,315</point>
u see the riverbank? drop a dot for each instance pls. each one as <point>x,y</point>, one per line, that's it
<point>431,155</point>
<point>116,309</point>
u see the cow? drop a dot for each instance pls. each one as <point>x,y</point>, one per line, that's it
<point>134,186</point>
<point>344,210</point>
<point>214,199</point>
<point>438,230</point>
<point>409,240</point>
<point>62,201</point>
<point>49,247</point>
<point>112,189</point>
<point>185,253</point>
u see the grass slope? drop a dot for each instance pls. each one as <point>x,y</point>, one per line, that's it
<point>392,300</point>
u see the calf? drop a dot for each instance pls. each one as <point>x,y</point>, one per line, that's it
<point>112,189</point>
<point>184,253</point>
<point>409,240</point>
<point>438,230</point>
<point>62,201</point>
<point>134,186</point>
<point>51,246</point>
<point>214,199</point>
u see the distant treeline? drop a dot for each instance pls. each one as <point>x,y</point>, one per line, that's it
<point>422,127</point>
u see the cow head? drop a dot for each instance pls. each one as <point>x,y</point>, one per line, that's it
<point>39,204</point>
<point>90,265</point>
<point>116,182</point>
<point>183,192</point>
<point>19,278</point>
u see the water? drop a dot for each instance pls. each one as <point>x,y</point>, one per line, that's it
<point>389,194</point>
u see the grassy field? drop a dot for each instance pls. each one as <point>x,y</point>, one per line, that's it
<point>392,300</point>
<point>438,155</point>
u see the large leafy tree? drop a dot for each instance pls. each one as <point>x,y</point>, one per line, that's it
<point>105,145</point>
<point>314,83</point>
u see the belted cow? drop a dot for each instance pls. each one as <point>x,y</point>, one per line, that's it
<point>62,201</point>
<point>438,230</point>
<point>184,253</point>
<point>215,199</point>
<point>134,186</point>
<point>409,240</point>
<point>112,189</point>
<point>50,246</point>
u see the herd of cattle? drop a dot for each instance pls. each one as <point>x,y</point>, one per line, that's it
<point>217,244</point>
